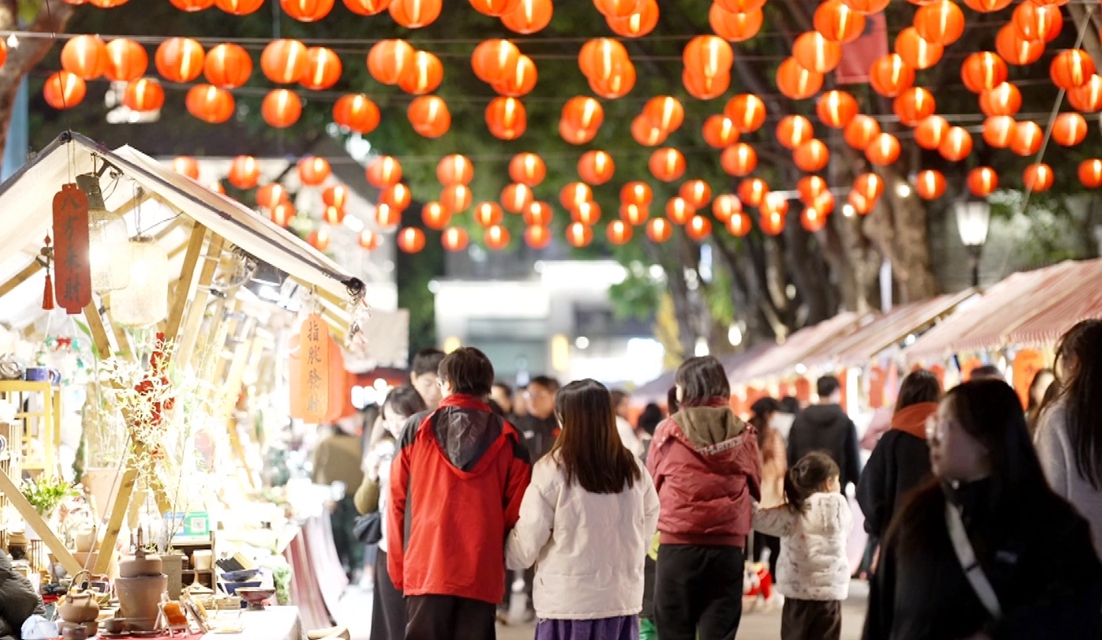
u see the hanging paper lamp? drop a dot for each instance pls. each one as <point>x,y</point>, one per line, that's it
<point>527,168</point>
<point>389,61</point>
<point>811,156</point>
<point>520,80</point>
<point>861,131</point>
<point>982,71</point>
<point>108,240</point>
<point>384,172</point>
<point>85,56</point>
<point>429,116</point>
<point>144,95</point>
<point>752,191</point>
<point>587,213</point>
<point>506,118</point>
<point>179,59</point>
<point>796,82</point>
<point>456,198</point>
<point>411,239</point>
<point>739,159</point>
<point>931,131</point>
<point>838,23</point>
<point>414,14</point>
<point>930,184</point>
<point>1090,173</point>
<point>1069,129</point>
<point>634,214</point>
<point>982,181</point>
<point>538,214</point>
<point>667,164</point>
<point>747,111</point>
<point>515,198</point>
<point>367,7</point>
<point>144,299</point>
<point>637,24</point>
<point>313,171</point>
<point>488,214</point>
<point>537,237</point>
<point>579,235</point>
<point>836,108</point>
<point>940,22</point>
<point>244,172</point>
<point>323,69</point>
<point>239,7</point>
<point>369,240</point>
<point>999,131</point>
<point>435,216</point>
<point>720,132</point>
<point>494,59</point>
<point>386,216</point>
<point>424,75</point>
<point>455,239</point>
<point>890,75</point>
<point>454,169</point>
<point>735,26</point>
<point>228,66</point>
<point>883,150</point>
<point>306,10</point>
<point>739,225</point>
<point>596,167</point>
<point>916,51</point>
<point>281,108</point>
<point>659,230</point>
<point>1002,100</point>
<point>496,237</point>
<point>956,145</point>
<point>1028,137</point>
<point>356,112</point>
<point>126,60</point>
<point>1038,177</point>
<point>529,16</point>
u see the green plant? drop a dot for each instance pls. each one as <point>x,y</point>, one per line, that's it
<point>47,493</point>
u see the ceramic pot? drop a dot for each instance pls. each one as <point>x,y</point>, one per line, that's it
<point>79,608</point>
<point>85,540</point>
<point>141,564</point>
<point>139,600</point>
<point>174,569</point>
<point>74,631</point>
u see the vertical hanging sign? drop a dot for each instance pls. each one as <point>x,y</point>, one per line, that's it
<point>314,367</point>
<point>72,273</point>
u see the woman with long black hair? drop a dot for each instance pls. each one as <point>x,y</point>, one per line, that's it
<point>1069,434</point>
<point>987,550</point>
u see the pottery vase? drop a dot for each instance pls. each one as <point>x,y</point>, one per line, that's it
<point>174,569</point>
<point>140,599</point>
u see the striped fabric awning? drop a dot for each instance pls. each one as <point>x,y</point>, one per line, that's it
<point>783,358</point>
<point>1081,303</point>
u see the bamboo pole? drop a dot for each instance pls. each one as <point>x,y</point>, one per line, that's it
<point>19,278</point>
<point>195,311</point>
<point>187,278</point>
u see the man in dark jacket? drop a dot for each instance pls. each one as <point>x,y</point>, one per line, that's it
<point>826,427</point>
<point>456,488</point>
<point>18,601</point>
<point>539,426</point>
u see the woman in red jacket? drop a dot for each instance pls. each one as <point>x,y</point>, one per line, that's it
<point>707,471</point>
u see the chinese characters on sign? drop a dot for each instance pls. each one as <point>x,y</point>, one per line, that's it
<point>72,272</point>
<point>313,364</point>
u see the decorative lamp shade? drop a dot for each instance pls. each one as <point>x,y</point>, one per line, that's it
<point>144,301</point>
<point>108,240</point>
<point>973,217</point>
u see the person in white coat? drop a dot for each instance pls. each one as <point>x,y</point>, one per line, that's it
<point>586,521</point>
<point>813,570</point>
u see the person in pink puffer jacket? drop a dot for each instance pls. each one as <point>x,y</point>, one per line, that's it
<point>707,470</point>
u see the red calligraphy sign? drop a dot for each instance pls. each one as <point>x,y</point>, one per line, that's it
<point>310,400</point>
<point>72,272</point>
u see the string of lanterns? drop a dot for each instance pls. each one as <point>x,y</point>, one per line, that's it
<point>611,74</point>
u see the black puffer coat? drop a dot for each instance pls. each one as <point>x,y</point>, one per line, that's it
<point>18,601</point>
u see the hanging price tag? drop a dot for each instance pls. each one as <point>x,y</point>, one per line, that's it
<point>72,272</point>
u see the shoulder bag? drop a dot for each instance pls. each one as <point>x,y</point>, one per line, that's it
<point>966,555</point>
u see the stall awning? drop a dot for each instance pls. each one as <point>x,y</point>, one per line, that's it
<point>986,323</point>
<point>26,202</point>
<point>1082,302</point>
<point>783,358</point>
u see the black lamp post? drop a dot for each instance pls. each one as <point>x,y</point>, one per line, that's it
<point>973,217</point>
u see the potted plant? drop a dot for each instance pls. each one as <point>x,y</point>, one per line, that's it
<point>46,494</point>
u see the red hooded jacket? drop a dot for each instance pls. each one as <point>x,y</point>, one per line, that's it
<point>455,490</point>
<point>707,471</point>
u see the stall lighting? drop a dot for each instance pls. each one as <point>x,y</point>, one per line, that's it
<point>848,210</point>
<point>144,301</point>
<point>734,335</point>
<point>701,348</point>
<point>903,189</point>
<point>108,240</point>
<point>581,342</point>
<point>973,220</point>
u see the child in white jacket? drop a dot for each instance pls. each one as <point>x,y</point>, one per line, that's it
<point>813,570</point>
<point>586,522</point>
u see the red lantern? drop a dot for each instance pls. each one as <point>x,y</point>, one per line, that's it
<point>999,131</point>
<point>720,132</point>
<point>618,232</point>
<point>384,172</point>
<point>537,237</point>
<point>931,131</point>
<point>596,167</point>
<point>239,7</point>
<point>367,7</point>
<point>634,214</point>
<point>667,164</point>
<point>494,8</point>
<point>698,228</point>
<point>1027,140</point>
<point>747,111</point>
<point>739,159</point>
<point>411,239</point>
<point>860,203</point>
<point>1069,129</point>
<point>792,131</point>
<point>144,95</point>
<point>538,214</point>
<point>284,61</point>
<point>1003,100</point>
<point>496,237</point>
<point>659,230</point>
<point>323,69</point>
<point>64,90</point>
<point>272,194</point>
<point>579,235</point>
<point>429,116</point>
<point>678,210</point>
<point>811,156</point>
<point>726,206</point>
<point>914,105</point>
<point>387,216</point>
<point>916,51</point>
<point>883,150</point>
<point>574,194</point>
<point>520,80</point>
<point>1017,50</point>
<point>1071,68</point>
<point>956,145</point>
<point>389,60</point>
<point>85,56</point>
<point>705,88</point>
<point>708,56</point>
<point>529,16</point>
<point>126,60</point>
<point>890,75</point>
<point>281,108</point>
<point>739,224</point>
<point>455,239</point>
<point>414,14</point>
<point>982,181</point>
<point>454,169</point>
<point>456,198</point>
<point>333,215</point>
<point>1088,96</point>
<point>398,197</point>
<point>867,7</point>
<point>307,10</point>
<point>812,220</point>
<point>600,57</point>
<point>753,191</point>
<point>335,196</point>
<point>809,187</point>
<point>697,193</point>
<point>320,238</point>
<point>861,131</point>
<point>740,6</point>
<point>772,223</point>
<point>179,59</point>
<point>494,59</point>
<point>587,213</point>
<point>228,66</point>
<point>665,112</point>
<point>983,71</point>
<point>736,27</point>
<point>244,172</point>
<point>313,171</point>
<point>813,51</point>
<point>516,197</point>
<point>574,135</point>
<point>987,6</point>
<point>356,112</point>
<point>1090,173</point>
<point>583,113</point>
<point>435,216</point>
<point>637,24</point>
<point>823,203</point>
<point>1038,177</point>
<point>192,6</point>
<point>930,184</point>
<point>1037,22</point>
<point>940,22</point>
<point>796,82</point>
<point>645,134</point>
<point>369,240</point>
<point>282,213</point>
<point>836,108</point>
<point>186,166</point>
<point>424,75</point>
<point>527,168</point>
<point>488,214</point>
<point>637,193</point>
<point>838,23</point>
<point>869,186</point>
<point>617,85</point>
<point>506,118</point>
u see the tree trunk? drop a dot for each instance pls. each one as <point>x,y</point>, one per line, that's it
<point>52,17</point>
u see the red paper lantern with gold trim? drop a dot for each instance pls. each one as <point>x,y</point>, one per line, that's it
<point>1090,173</point>
<point>456,198</point>
<point>883,150</point>
<point>659,230</point>
<point>356,112</point>
<point>455,239</point>
<point>982,181</point>
<point>1038,177</point>
<point>414,14</point>
<point>527,168</point>
<point>537,237</point>
<point>515,198</point>
<point>861,131</point>
<point>244,172</point>
<point>836,108</point>
<point>956,145</point>
<point>411,240</point>
<point>1069,129</point>
<point>85,56</point>
<point>429,116</point>
<point>384,172</point>
<point>435,216</point>
<point>179,59</point>
<point>930,184</point>
<point>811,156</point>
<point>982,71</point>
<point>284,61</point>
<point>667,164</point>
<point>890,75</point>
<point>931,131</point>
<point>739,159</point>
<point>126,60</point>
<point>838,23</point>
<point>389,60</point>
<point>281,108</point>
<point>596,167</point>
<point>916,51</point>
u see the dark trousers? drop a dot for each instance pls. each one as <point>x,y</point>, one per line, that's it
<point>388,612</point>
<point>811,620</point>
<point>449,618</point>
<point>698,592</point>
<point>349,549</point>
<point>773,543</point>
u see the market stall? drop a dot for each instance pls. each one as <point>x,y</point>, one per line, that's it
<point>177,317</point>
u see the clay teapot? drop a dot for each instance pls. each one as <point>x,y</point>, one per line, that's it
<point>79,608</point>
<point>141,564</point>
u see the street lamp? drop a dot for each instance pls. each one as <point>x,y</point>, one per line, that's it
<point>973,217</point>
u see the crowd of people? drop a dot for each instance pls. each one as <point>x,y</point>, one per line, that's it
<point>984,517</point>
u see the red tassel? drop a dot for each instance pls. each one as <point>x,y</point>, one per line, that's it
<point>48,293</point>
